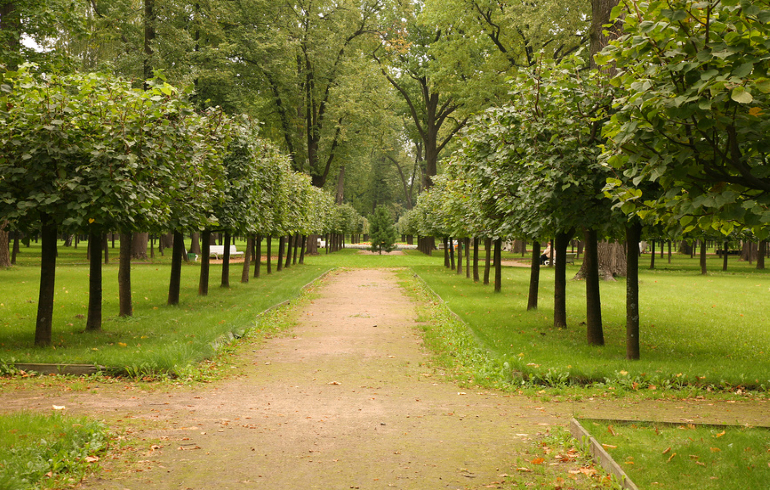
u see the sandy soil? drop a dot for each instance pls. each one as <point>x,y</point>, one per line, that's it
<point>344,401</point>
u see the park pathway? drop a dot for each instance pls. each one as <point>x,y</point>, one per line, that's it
<point>344,400</point>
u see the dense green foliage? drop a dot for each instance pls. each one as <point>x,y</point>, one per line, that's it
<point>692,116</point>
<point>382,231</point>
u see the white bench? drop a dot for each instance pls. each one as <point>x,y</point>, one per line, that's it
<point>218,251</point>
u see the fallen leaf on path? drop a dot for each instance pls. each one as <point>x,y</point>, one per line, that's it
<point>92,459</point>
<point>182,448</point>
<point>537,461</point>
<point>609,446</point>
<point>59,407</point>
<point>524,470</point>
<point>461,393</point>
<point>334,383</point>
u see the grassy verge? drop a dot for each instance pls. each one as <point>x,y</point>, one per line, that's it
<point>687,456</point>
<point>47,451</point>
<point>158,338</point>
<point>696,331</point>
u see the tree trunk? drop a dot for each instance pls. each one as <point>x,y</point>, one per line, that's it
<point>269,264</point>
<point>594,331</point>
<point>195,246</point>
<point>652,255</point>
<point>302,249</point>
<point>296,247</point>
<point>761,254</point>
<point>289,243</point>
<point>669,251</point>
<point>520,247</point>
<point>94,318</point>
<point>601,11</point>
<point>175,283</point>
<point>560,280</point>
<point>258,257</point>
<point>139,246</point>
<point>106,249</point>
<point>488,258</point>
<point>475,260</point>
<point>452,252</point>
<point>498,265</point>
<point>247,260</point>
<point>43,325</point>
<point>467,258</point>
<point>5,255</point>
<point>203,283</point>
<point>703,269</point>
<point>226,262</point>
<point>446,252</point>
<point>747,252</point>
<point>16,248</point>
<point>460,243</point>
<point>281,242</point>
<point>312,244</point>
<point>685,247</point>
<point>534,277</point>
<point>124,275</point>
<point>633,235</point>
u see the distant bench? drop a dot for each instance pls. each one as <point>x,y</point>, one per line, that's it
<point>569,259</point>
<point>218,251</point>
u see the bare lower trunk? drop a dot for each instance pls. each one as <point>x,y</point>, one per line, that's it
<point>703,268</point>
<point>633,235</point>
<point>468,258</point>
<point>43,324</point>
<point>257,256</point>
<point>203,282</point>
<point>452,252</point>
<point>139,246</point>
<point>94,318</point>
<point>487,259</point>
<point>475,260</point>
<point>269,264</point>
<point>446,252</point>
<point>281,242</point>
<point>498,265</point>
<point>226,262</point>
<point>246,272</point>
<point>459,256</point>
<point>611,259</point>
<point>302,249</point>
<point>560,279</point>
<point>594,330</point>
<point>175,284</point>
<point>5,255</point>
<point>124,275</point>
<point>534,277</point>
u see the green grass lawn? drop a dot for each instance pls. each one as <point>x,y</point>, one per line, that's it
<point>48,451</point>
<point>695,330</point>
<point>704,330</point>
<point>687,456</point>
<point>158,338</point>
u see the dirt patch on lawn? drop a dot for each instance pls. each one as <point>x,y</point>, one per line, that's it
<point>346,400</point>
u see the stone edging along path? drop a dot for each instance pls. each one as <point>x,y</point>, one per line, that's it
<point>344,400</point>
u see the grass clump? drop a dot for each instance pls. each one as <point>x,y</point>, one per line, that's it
<point>687,456</point>
<point>48,451</point>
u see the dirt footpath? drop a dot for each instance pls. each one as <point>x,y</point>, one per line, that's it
<point>343,401</point>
